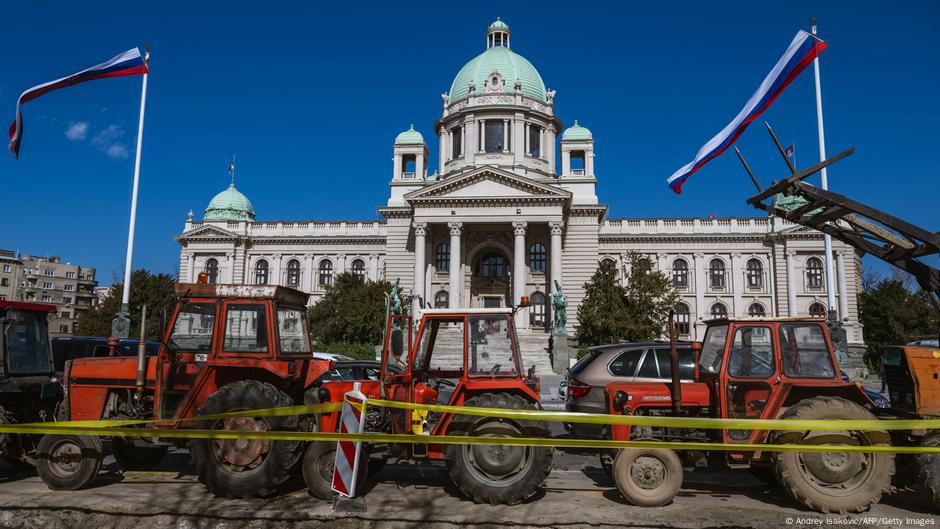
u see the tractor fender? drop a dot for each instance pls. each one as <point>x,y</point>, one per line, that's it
<point>792,394</point>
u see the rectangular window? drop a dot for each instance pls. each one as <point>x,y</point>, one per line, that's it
<point>491,348</point>
<point>65,315</point>
<point>47,284</point>
<point>456,146</point>
<point>66,300</point>
<point>69,288</point>
<point>752,353</point>
<point>6,268</point>
<point>441,347</point>
<point>70,275</point>
<point>192,330</point>
<point>535,141</point>
<point>712,348</point>
<point>48,272</point>
<point>494,135</point>
<point>804,351</point>
<point>4,282</point>
<point>292,331</point>
<point>246,329</point>
<point>47,299</point>
<point>63,328</point>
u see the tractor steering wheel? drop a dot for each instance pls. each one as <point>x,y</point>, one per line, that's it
<point>495,369</point>
<point>441,381</point>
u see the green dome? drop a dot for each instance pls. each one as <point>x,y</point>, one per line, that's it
<point>576,133</point>
<point>508,64</point>
<point>410,136</point>
<point>230,205</point>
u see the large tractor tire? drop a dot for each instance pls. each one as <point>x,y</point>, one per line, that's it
<point>498,474</point>
<point>132,457</point>
<point>928,472</point>
<point>245,468</point>
<point>68,462</point>
<point>319,460</point>
<point>833,482</point>
<point>648,477</point>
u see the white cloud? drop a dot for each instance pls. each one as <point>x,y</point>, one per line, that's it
<point>77,130</point>
<point>117,151</point>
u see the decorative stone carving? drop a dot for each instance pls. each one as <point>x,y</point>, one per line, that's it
<point>421,229</point>
<point>556,227</point>
<point>550,96</point>
<point>519,227</point>
<point>455,228</point>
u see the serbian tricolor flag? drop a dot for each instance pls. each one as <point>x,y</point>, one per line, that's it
<point>128,63</point>
<point>799,55</point>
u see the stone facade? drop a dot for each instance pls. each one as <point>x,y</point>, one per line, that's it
<point>498,221</point>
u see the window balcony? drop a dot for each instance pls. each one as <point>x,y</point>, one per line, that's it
<point>577,172</point>
<point>408,174</point>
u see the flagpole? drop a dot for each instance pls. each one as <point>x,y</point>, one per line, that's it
<point>827,239</point>
<point>118,330</point>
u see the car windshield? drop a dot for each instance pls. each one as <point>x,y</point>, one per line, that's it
<point>712,347</point>
<point>193,328</point>
<point>26,342</point>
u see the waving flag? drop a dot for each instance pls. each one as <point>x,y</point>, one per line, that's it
<point>801,52</point>
<point>128,63</point>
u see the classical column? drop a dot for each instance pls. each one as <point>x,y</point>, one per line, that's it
<point>230,276</point>
<point>843,287</point>
<point>518,139</point>
<point>191,268</point>
<point>737,286</point>
<point>275,270</point>
<point>470,138</point>
<point>791,285</point>
<point>518,272</point>
<point>565,161</point>
<point>482,125</point>
<point>455,269</point>
<point>420,170</point>
<point>698,261</point>
<point>505,135</point>
<point>308,274</point>
<point>396,171</point>
<point>443,140</point>
<point>548,147</point>
<point>589,162</point>
<point>374,267</point>
<point>420,233</point>
<point>556,228</point>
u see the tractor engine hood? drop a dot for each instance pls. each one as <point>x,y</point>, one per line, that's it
<point>647,394</point>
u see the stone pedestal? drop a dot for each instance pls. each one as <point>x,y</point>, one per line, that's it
<point>562,352</point>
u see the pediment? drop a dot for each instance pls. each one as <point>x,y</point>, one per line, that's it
<point>487,183</point>
<point>208,232</point>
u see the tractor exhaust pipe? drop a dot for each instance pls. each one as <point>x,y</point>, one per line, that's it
<point>676,389</point>
<point>142,355</point>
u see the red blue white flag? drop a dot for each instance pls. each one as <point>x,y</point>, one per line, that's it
<point>128,63</point>
<point>801,52</point>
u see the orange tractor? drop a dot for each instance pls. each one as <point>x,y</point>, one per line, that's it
<point>227,348</point>
<point>755,368</point>
<point>460,357</point>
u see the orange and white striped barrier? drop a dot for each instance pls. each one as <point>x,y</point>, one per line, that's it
<point>352,419</point>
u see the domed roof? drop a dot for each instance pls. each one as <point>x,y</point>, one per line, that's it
<point>410,136</point>
<point>576,133</point>
<point>229,205</point>
<point>500,59</point>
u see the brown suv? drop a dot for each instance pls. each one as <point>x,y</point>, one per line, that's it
<point>623,362</point>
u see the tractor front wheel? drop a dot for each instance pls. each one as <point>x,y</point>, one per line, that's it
<point>498,474</point>
<point>648,477</point>
<point>132,457</point>
<point>928,472</point>
<point>319,460</point>
<point>245,468</point>
<point>833,482</point>
<point>68,462</point>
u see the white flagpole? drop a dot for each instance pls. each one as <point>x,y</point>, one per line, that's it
<point>125,301</point>
<point>830,275</point>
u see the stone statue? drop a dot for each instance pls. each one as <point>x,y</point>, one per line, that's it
<point>560,310</point>
<point>445,97</point>
<point>395,305</point>
<point>550,96</point>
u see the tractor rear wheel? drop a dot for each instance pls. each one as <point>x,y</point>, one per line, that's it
<point>68,462</point>
<point>648,477</point>
<point>245,468</point>
<point>839,482</point>
<point>498,474</point>
<point>928,473</point>
<point>132,457</point>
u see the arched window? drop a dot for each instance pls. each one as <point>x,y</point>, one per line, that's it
<point>359,269</point>
<point>716,274</point>
<point>293,273</point>
<point>755,274</point>
<point>261,272</point>
<point>441,300</point>
<point>537,311</point>
<point>537,257</point>
<point>442,257</point>
<point>683,319</point>
<point>680,274</point>
<point>326,273</point>
<point>493,265</point>
<point>212,271</point>
<point>719,311</point>
<point>756,310</point>
<point>818,310</point>
<point>814,273</point>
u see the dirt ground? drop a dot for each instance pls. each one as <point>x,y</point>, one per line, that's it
<point>577,494</point>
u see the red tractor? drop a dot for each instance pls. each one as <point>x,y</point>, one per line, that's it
<point>756,368</point>
<point>29,391</point>
<point>460,357</point>
<point>227,348</point>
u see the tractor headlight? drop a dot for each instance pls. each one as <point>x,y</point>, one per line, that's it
<point>324,395</point>
<point>620,399</point>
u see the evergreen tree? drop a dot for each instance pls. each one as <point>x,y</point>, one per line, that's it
<point>894,314</point>
<point>155,290</point>
<point>351,312</point>
<point>603,316</point>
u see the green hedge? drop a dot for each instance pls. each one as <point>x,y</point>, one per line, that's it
<point>359,351</point>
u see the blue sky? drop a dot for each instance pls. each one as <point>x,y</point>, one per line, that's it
<point>311,97</point>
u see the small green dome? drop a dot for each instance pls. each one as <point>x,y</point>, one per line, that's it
<point>409,137</point>
<point>510,66</point>
<point>576,133</point>
<point>230,205</point>
<point>499,24</point>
